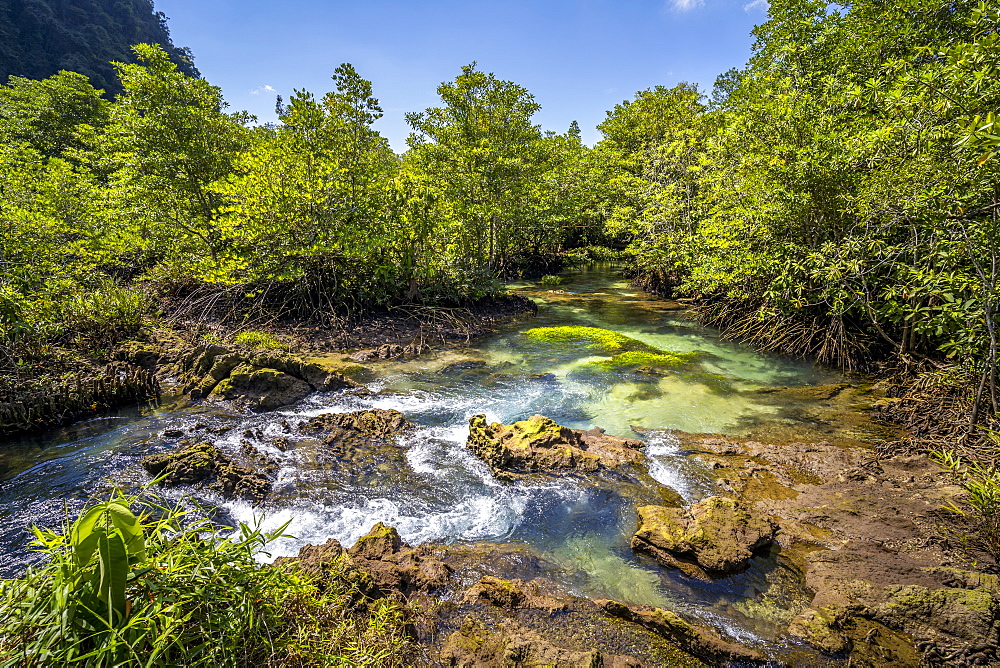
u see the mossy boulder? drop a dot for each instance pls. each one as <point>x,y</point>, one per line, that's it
<point>539,444</point>
<point>379,543</point>
<point>821,629</point>
<point>718,535</point>
<point>261,389</point>
<point>259,381</point>
<point>204,465</point>
<point>970,615</point>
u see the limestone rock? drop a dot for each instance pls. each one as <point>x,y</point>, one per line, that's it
<point>203,464</point>
<point>820,629</point>
<point>512,645</point>
<point>540,445</point>
<point>719,535</point>
<point>698,641</point>
<point>262,389</point>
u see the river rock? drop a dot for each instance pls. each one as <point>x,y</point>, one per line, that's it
<point>719,535</point>
<point>203,464</point>
<point>696,640</point>
<point>259,381</point>
<point>389,566</point>
<point>539,444</point>
<point>261,389</point>
<point>372,424</point>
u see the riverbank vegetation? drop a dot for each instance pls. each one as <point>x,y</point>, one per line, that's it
<point>835,198</point>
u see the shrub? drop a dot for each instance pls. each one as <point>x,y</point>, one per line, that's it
<point>981,504</point>
<point>161,589</point>
<point>253,339</point>
<point>591,254</point>
<point>108,313</point>
<point>550,280</point>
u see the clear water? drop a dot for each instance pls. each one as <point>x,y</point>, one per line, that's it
<point>433,489</point>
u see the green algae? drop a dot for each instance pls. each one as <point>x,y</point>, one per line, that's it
<point>639,358</point>
<point>603,339</point>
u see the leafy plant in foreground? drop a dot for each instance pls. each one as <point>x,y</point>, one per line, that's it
<point>161,589</point>
<point>981,483</point>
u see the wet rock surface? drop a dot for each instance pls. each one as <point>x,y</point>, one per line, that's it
<point>205,465</point>
<point>695,639</point>
<point>510,644</point>
<point>389,567</point>
<point>389,351</point>
<point>867,532</point>
<point>716,535</point>
<point>539,444</point>
<point>372,424</point>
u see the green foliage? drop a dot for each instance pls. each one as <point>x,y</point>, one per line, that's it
<point>253,339</point>
<point>981,503</point>
<point>550,280</point>
<point>592,254</point>
<point>162,589</point>
<point>508,189</point>
<point>53,115</point>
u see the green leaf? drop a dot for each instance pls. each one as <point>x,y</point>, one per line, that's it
<point>114,569</point>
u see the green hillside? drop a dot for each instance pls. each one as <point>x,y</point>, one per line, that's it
<point>41,37</point>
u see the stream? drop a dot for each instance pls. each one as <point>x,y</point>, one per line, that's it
<point>433,489</point>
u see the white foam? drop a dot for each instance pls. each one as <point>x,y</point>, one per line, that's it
<point>475,517</point>
<point>664,456</point>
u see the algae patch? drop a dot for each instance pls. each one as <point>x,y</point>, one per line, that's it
<point>625,352</point>
<point>595,337</point>
<point>641,358</point>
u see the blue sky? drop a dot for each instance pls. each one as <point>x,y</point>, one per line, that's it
<point>577,57</point>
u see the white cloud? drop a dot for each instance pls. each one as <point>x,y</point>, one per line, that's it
<point>268,89</point>
<point>685,5</point>
<point>756,4</point>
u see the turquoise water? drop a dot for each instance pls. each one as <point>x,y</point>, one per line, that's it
<point>433,489</point>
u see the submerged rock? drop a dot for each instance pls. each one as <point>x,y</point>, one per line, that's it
<point>719,535</point>
<point>696,640</point>
<point>474,646</point>
<point>389,351</point>
<point>539,444</point>
<point>510,594</point>
<point>203,464</point>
